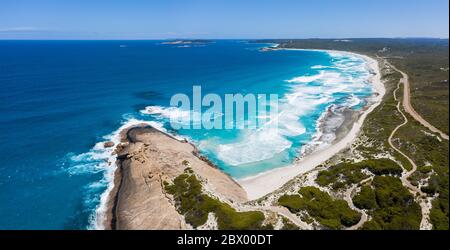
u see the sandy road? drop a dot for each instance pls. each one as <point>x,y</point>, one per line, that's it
<point>418,194</point>
<point>408,107</point>
<point>348,199</point>
<point>292,217</point>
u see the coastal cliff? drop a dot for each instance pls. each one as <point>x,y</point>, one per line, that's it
<point>146,159</point>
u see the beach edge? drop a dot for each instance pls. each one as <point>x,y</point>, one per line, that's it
<point>264,183</point>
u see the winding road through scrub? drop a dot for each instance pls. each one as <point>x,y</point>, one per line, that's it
<point>418,194</point>
<point>409,108</point>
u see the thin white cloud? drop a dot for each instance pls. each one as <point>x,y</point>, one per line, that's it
<point>19,29</point>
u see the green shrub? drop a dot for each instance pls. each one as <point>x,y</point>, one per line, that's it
<point>440,209</point>
<point>195,206</point>
<point>438,217</point>
<point>382,167</point>
<point>330,213</point>
<point>365,199</point>
<point>293,202</point>
<point>345,173</point>
<point>371,225</point>
<point>396,208</point>
<point>287,225</point>
<point>340,175</point>
<point>425,169</point>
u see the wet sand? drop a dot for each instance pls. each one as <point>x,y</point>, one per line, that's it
<point>147,157</point>
<point>267,182</point>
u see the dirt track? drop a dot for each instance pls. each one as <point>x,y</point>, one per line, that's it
<point>424,224</point>
<point>408,107</point>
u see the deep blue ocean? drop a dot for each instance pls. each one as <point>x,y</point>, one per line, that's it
<point>61,99</point>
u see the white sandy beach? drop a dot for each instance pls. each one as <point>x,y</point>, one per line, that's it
<point>267,182</point>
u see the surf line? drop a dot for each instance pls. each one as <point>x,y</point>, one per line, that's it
<point>236,111</point>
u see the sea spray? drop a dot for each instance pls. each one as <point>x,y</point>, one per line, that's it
<point>346,76</point>
<point>73,112</point>
<point>341,84</point>
<point>103,159</point>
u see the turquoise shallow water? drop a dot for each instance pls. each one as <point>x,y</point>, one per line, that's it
<point>318,83</point>
<point>61,99</point>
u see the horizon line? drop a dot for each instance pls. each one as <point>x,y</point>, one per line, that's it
<point>181,38</point>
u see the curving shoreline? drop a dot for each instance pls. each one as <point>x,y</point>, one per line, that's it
<point>117,206</point>
<point>267,182</point>
<point>146,159</point>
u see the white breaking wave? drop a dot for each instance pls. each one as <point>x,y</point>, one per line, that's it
<point>253,146</point>
<point>326,125</point>
<point>319,67</point>
<point>101,159</point>
<point>352,101</point>
<point>306,79</point>
<point>169,112</point>
<point>177,115</point>
<point>269,139</point>
<point>346,74</point>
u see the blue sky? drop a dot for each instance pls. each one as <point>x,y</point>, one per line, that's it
<point>134,19</point>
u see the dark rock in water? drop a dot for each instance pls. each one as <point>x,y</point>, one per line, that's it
<point>108,144</point>
<point>123,156</point>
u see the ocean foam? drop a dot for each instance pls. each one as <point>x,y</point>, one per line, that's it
<point>253,146</point>
<point>177,115</point>
<point>352,76</point>
<point>306,79</point>
<point>319,67</point>
<point>270,139</point>
<point>353,101</point>
<point>101,159</point>
<point>346,75</point>
<point>169,112</point>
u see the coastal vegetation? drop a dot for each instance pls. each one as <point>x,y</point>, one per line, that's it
<point>426,62</point>
<point>382,167</point>
<point>369,174</point>
<point>330,213</point>
<point>365,199</point>
<point>439,214</point>
<point>344,174</point>
<point>287,225</point>
<point>390,205</point>
<point>381,193</point>
<point>340,175</point>
<point>195,205</point>
<point>431,153</point>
